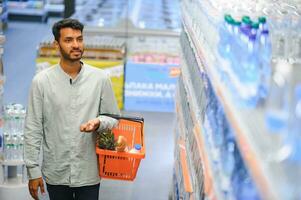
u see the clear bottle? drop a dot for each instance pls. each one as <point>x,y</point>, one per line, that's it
<point>290,154</point>
<point>265,53</point>
<point>278,107</point>
<point>255,28</point>
<point>294,138</point>
<point>263,25</point>
<point>249,77</point>
<point>295,39</point>
<point>225,34</point>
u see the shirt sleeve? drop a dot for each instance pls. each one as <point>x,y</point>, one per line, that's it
<point>33,131</point>
<point>108,105</point>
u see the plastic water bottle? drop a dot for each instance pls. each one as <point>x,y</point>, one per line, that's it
<point>228,160</point>
<point>136,149</point>
<point>242,183</point>
<point>263,25</point>
<point>295,39</point>
<point>279,39</point>
<point>294,138</point>
<point>14,115</point>
<point>277,109</point>
<point>239,45</point>
<point>225,31</point>
<point>265,49</point>
<point>246,22</point>
<point>255,28</point>
<point>250,74</point>
<point>7,147</point>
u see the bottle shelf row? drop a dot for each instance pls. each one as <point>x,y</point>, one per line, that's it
<point>12,162</point>
<point>250,132</point>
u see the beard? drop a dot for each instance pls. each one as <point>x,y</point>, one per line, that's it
<point>68,56</point>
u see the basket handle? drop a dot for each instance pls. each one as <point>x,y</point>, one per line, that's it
<point>136,119</point>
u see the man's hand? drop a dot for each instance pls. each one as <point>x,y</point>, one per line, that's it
<point>34,185</point>
<point>90,126</point>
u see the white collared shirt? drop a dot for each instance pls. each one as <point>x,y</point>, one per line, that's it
<point>57,106</point>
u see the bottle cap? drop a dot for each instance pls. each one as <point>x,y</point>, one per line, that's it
<point>255,25</point>
<point>237,23</point>
<point>262,19</point>
<point>138,146</point>
<point>227,17</point>
<point>246,20</point>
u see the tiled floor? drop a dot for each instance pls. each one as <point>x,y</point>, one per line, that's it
<point>153,180</point>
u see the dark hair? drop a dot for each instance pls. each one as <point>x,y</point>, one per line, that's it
<point>66,23</point>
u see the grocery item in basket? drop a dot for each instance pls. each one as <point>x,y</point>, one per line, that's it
<point>121,144</point>
<point>106,140</point>
<point>136,149</point>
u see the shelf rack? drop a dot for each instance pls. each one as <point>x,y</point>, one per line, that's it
<point>251,134</point>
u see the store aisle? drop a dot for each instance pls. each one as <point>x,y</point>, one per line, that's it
<point>22,39</point>
<point>155,172</point>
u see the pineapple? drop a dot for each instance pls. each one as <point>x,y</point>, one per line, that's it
<point>106,140</point>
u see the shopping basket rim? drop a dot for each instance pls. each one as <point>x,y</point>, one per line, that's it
<point>121,154</point>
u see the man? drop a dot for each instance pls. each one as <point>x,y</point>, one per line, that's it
<point>65,102</point>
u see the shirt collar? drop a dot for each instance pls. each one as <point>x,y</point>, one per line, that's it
<point>68,77</point>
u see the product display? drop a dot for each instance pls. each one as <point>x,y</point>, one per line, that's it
<point>237,102</point>
<point>161,14</point>
<point>55,7</point>
<point>12,166</point>
<point>154,50</point>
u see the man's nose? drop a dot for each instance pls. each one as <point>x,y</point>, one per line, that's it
<point>75,44</point>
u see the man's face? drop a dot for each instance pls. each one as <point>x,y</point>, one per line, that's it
<point>71,44</point>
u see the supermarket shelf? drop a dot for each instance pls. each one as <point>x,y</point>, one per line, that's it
<point>59,8</point>
<point>14,188</point>
<point>14,183</point>
<point>12,162</point>
<point>185,169</point>
<point>211,180</point>
<point>27,11</point>
<point>195,185</point>
<point>130,32</point>
<point>249,132</point>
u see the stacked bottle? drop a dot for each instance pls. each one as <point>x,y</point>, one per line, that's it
<point>246,46</point>
<point>14,116</point>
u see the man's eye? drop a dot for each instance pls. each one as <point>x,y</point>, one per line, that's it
<point>67,41</point>
<point>80,39</point>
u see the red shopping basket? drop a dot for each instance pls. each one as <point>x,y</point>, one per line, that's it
<point>123,165</point>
